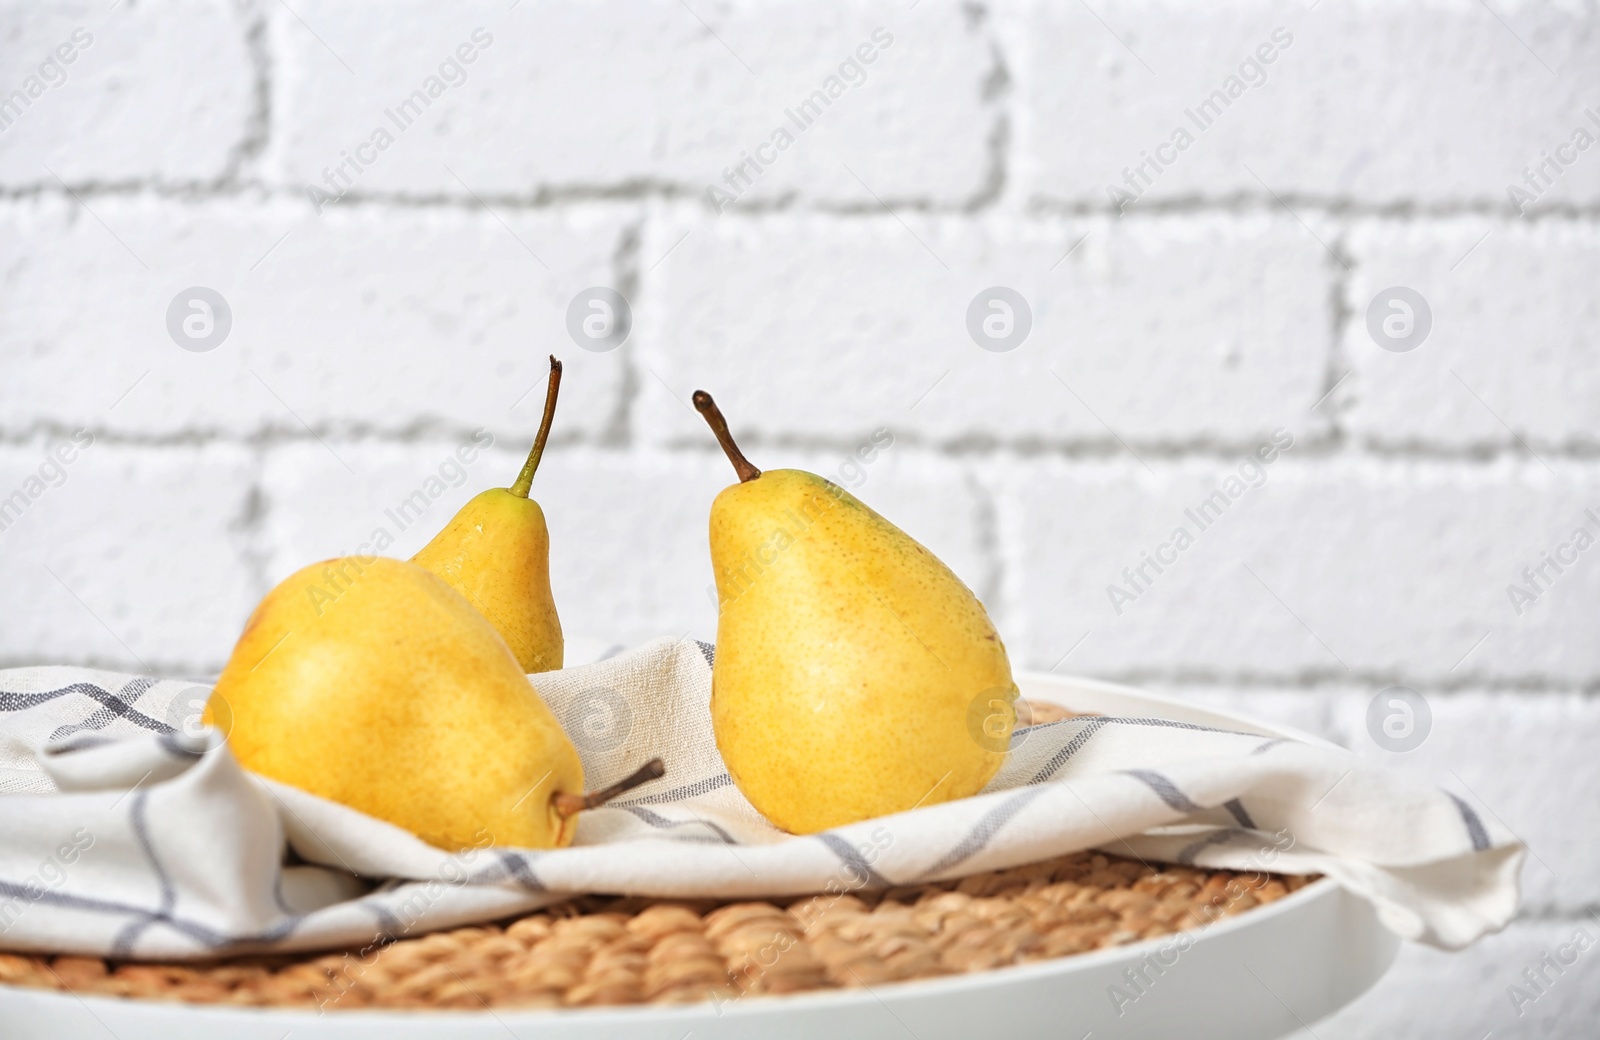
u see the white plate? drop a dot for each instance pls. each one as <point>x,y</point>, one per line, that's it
<point>1257,976</point>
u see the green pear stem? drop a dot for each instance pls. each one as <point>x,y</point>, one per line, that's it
<point>719,426</point>
<point>525,478</point>
<point>572,804</point>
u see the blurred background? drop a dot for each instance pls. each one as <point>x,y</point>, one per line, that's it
<point>270,272</point>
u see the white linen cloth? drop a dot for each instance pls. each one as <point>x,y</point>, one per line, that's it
<point>128,830</point>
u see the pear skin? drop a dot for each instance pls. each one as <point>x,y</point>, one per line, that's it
<point>397,698</point>
<point>496,553</point>
<point>856,675</point>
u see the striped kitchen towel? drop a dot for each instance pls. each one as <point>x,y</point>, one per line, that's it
<point>128,829</point>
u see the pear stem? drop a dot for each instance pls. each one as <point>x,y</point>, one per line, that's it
<point>572,804</point>
<point>525,478</point>
<point>719,426</point>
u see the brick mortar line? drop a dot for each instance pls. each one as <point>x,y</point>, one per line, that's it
<point>1321,446</point>
<point>985,511</point>
<point>556,198</point>
<point>994,93</point>
<point>1558,913</point>
<point>1341,269</point>
<point>1244,682</point>
<point>1248,203</point>
<point>1324,448</point>
<point>174,670</point>
<point>628,280</point>
<point>256,134</point>
<point>250,526</point>
<point>1331,680</point>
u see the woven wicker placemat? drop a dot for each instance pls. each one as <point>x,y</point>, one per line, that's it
<point>607,950</point>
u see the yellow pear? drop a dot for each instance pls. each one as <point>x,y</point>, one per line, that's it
<point>397,698</point>
<point>496,553</point>
<point>855,674</point>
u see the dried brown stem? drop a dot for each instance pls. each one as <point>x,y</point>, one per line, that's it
<point>572,804</point>
<point>719,426</point>
<point>525,478</point>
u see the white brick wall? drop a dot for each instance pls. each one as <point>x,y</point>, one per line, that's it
<point>1171,335</point>
<point>147,94</point>
<point>1332,566</point>
<point>136,557</point>
<point>1430,995</point>
<point>1432,104</point>
<point>1231,352</point>
<point>355,321</point>
<point>1527,360</point>
<point>684,100</point>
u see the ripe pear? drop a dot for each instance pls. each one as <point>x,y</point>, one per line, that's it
<point>855,674</point>
<point>496,553</point>
<point>398,699</point>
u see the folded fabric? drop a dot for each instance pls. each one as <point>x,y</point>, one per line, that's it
<point>128,830</point>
